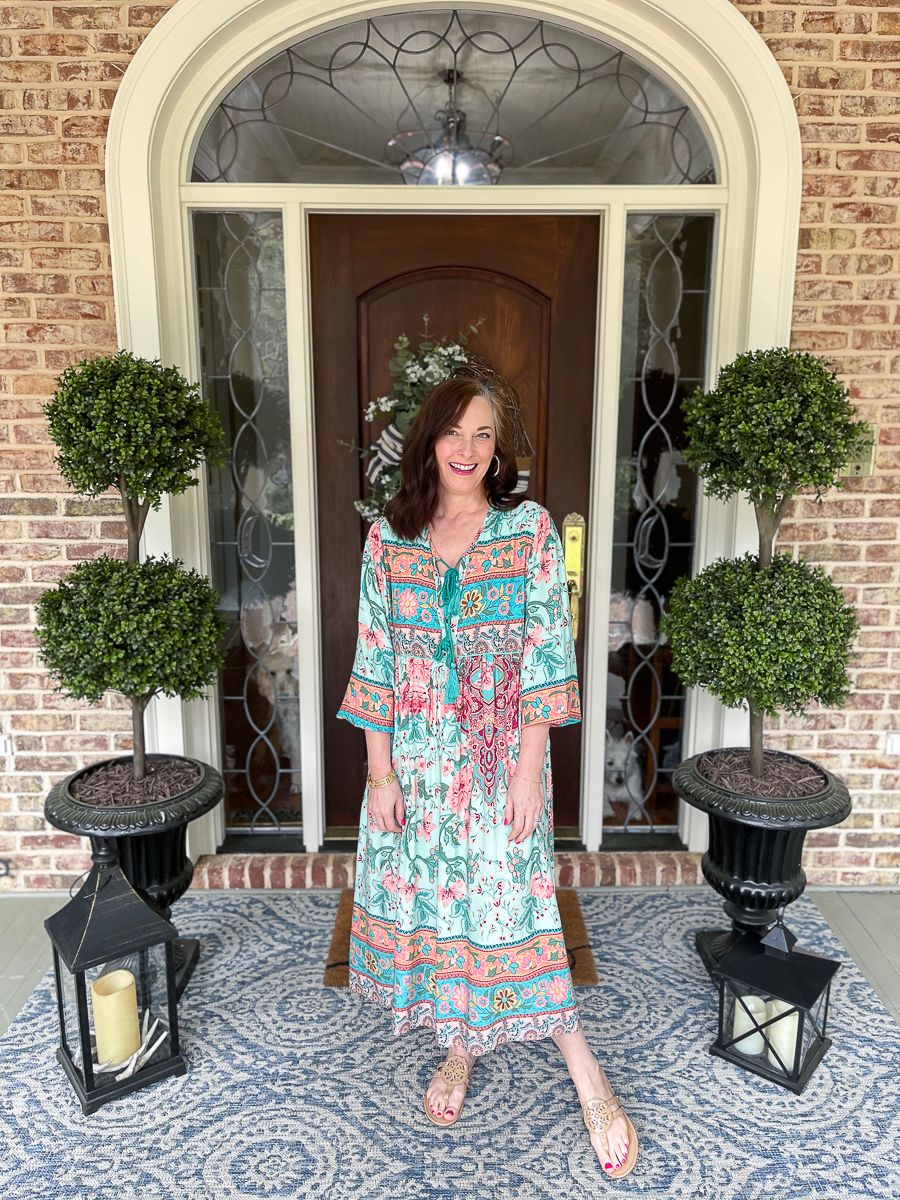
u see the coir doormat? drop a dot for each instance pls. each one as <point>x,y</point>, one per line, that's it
<point>578,946</point>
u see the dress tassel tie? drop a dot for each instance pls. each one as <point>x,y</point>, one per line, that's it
<point>450,594</point>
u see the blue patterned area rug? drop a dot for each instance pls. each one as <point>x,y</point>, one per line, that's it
<point>295,1090</point>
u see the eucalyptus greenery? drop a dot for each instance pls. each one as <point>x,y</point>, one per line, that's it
<point>767,630</point>
<point>415,373</point>
<point>137,628</point>
<point>134,425</point>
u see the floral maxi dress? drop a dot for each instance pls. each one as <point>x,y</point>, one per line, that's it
<point>454,927</point>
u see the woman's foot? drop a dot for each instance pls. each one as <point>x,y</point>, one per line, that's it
<point>590,1081</point>
<point>443,1100</point>
<point>610,1147</point>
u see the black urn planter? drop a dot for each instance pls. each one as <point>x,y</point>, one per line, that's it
<point>755,846</point>
<point>150,840</point>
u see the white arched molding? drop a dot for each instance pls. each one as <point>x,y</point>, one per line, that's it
<point>201,48</point>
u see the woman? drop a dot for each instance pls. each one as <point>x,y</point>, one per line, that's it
<point>464,660</point>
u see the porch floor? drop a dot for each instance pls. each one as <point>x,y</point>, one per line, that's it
<point>867,924</point>
<point>295,1090</point>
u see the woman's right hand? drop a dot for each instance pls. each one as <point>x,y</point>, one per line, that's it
<point>386,808</point>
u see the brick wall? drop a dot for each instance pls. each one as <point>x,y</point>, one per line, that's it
<point>59,69</point>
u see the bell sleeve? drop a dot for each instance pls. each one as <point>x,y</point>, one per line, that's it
<point>549,679</point>
<point>369,699</point>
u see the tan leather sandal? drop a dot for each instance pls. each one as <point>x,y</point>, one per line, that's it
<point>453,1071</point>
<point>598,1116</point>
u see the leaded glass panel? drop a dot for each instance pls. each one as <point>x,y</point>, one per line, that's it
<point>453,97</point>
<point>664,337</point>
<point>239,260</point>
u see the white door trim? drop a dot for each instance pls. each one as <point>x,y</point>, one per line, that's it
<point>202,47</point>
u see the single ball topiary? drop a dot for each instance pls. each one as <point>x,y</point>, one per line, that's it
<point>132,424</point>
<point>135,628</point>
<point>775,639</point>
<point>776,421</point>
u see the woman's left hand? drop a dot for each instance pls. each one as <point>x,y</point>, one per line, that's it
<point>525,801</point>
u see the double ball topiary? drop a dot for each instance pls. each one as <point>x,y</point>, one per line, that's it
<point>139,628</point>
<point>765,630</point>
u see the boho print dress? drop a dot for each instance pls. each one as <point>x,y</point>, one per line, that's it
<point>453,927</point>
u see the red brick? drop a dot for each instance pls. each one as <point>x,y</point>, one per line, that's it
<point>34,282</point>
<point>84,179</point>
<point>823,289</point>
<point>92,71</point>
<point>830,131</point>
<point>66,206</point>
<point>864,50</point>
<point>63,153</point>
<point>29,181</point>
<point>94,285</point>
<point>25,17</point>
<point>57,99</point>
<point>859,264</point>
<point>881,239</point>
<point>37,334</point>
<point>876,339</point>
<point>798,49</point>
<point>833,78</point>
<point>828,185</point>
<point>92,125</point>
<point>31,231</point>
<point>92,17</point>
<point>882,132</point>
<point>66,256</point>
<point>864,213</point>
<point>25,72</point>
<point>82,552</point>
<point>17,360</point>
<point>65,308</point>
<point>18,127</point>
<point>886,79</point>
<point>53,45</point>
<point>818,340</point>
<point>145,16</point>
<point>855,314</point>
<point>869,106</point>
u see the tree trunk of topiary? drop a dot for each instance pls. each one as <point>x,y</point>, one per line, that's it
<point>139,752</point>
<point>757,765</point>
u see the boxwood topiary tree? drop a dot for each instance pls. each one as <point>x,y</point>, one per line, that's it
<point>134,425</point>
<point>140,628</point>
<point>766,630</point>
<point>136,628</point>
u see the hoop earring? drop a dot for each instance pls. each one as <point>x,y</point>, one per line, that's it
<point>497,472</point>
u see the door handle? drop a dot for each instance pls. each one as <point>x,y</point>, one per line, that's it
<point>573,548</point>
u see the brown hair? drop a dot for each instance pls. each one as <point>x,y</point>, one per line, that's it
<point>410,511</point>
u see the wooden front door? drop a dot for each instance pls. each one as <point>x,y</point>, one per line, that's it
<point>534,281</point>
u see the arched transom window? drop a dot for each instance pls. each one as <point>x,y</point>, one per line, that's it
<point>453,97</point>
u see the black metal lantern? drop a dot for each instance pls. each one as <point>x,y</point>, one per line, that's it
<point>773,1007</point>
<point>115,988</point>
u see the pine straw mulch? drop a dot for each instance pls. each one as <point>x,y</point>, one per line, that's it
<point>112,785</point>
<point>784,778</point>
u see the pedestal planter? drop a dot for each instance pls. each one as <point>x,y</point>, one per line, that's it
<point>148,839</point>
<point>755,845</point>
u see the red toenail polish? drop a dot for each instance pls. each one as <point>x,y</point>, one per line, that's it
<point>609,1166</point>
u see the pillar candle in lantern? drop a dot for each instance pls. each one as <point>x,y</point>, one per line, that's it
<point>782,1035</point>
<point>743,1021</point>
<point>116,1024</point>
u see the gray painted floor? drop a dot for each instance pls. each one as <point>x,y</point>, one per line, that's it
<point>868,924</point>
